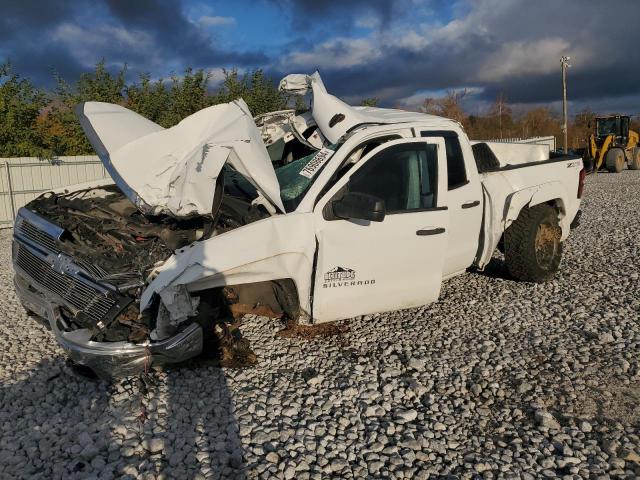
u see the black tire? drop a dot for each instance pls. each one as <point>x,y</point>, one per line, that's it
<point>532,245</point>
<point>614,160</point>
<point>634,161</point>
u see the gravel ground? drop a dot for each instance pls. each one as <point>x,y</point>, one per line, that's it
<point>499,379</point>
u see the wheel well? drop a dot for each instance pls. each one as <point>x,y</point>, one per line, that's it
<point>558,204</point>
<point>279,296</point>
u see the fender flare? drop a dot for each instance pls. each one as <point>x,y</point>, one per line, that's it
<point>530,197</point>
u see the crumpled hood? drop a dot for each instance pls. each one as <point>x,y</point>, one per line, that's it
<point>173,171</point>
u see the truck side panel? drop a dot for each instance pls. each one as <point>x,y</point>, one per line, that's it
<point>507,191</point>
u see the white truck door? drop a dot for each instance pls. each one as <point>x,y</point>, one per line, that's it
<point>464,199</point>
<point>366,266</point>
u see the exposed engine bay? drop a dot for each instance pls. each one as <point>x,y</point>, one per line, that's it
<point>104,228</point>
<point>112,242</point>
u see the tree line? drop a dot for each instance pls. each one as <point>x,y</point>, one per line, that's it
<point>500,122</point>
<point>38,123</point>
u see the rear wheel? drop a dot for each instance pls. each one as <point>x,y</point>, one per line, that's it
<point>532,244</point>
<point>634,161</point>
<point>615,160</point>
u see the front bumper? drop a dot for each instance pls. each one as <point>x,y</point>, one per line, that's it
<point>53,285</point>
<point>110,359</point>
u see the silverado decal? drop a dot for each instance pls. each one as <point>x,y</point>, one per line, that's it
<point>343,277</point>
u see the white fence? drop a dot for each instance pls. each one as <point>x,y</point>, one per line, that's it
<point>23,179</point>
<point>550,140</point>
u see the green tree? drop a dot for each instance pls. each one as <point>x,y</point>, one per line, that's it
<point>149,98</point>
<point>369,102</point>
<point>187,95</point>
<point>20,105</point>
<point>259,91</point>
<point>61,130</point>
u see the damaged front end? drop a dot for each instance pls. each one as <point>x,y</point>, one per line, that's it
<point>82,260</point>
<point>89,260</point>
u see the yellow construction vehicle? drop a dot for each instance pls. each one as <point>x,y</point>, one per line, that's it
<point>613,144</point>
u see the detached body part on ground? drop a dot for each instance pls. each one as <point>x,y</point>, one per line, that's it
<point>369,210</point>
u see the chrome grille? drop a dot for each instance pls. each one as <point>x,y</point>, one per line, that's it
<point>94,270</point>
<point>33,233</point>
<point>82,297</point>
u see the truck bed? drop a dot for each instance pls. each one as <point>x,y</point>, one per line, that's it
<point>506,191</point>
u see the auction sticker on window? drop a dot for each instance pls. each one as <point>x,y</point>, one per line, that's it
<point>316,163</point>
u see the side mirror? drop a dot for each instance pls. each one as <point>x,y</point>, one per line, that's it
<point>359,206</point>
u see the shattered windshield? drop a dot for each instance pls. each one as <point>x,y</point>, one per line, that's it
<point>295,178</point>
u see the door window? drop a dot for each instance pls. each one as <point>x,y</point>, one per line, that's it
<point>625,129</point>
<point>404,176</point>
<point>456,171</point>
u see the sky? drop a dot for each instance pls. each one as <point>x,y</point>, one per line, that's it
<point>399,51</point>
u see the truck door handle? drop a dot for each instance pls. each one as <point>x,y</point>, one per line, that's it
<point>471,204</point>
<point>430,231</point>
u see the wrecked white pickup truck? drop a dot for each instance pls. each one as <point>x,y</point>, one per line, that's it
<point>141,270</point>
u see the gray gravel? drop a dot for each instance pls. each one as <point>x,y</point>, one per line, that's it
<point>499,379</point>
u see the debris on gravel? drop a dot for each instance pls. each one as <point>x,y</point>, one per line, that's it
<point>498,379</point>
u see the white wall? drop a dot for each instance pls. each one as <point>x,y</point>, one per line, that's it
<point>23,179</point>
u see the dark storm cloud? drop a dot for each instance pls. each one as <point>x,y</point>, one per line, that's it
<point>495,46</point>
<point>491,46</point>
<point>306,13</point>
<point>166,22</point>
<point>25,26</point>
<point>32,35</point>
<point>31,14</point>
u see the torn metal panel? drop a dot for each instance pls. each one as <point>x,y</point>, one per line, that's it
<point>176,306</point>
<point>336,118</point>
<point>174,171</point>
<point>276,247</point>
<point>333,116</point>
<point>296,83</point>
<point>280,130</point>
<point>179,303</point>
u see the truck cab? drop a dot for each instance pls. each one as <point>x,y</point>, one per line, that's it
<point>427,210</point>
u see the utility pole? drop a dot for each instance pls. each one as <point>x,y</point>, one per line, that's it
<point>500,116</point>
<point>564,62</point>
